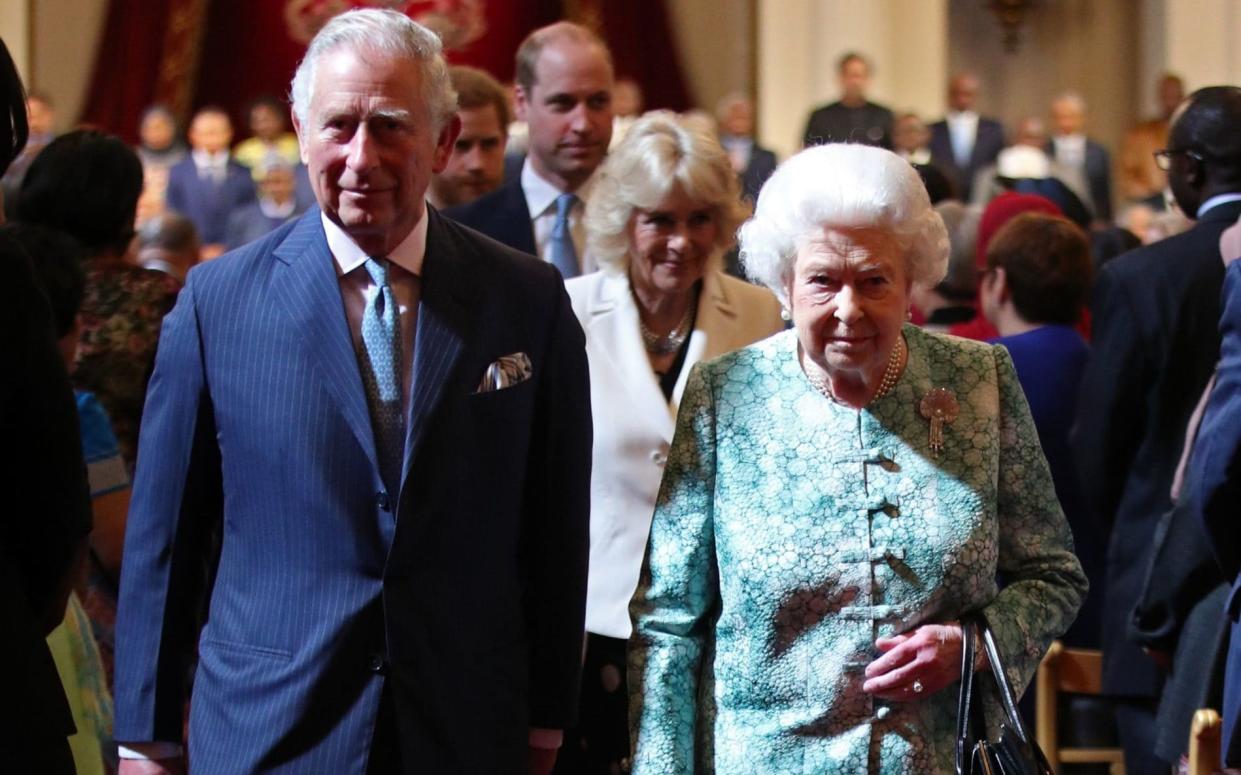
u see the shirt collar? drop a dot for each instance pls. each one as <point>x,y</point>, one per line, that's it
<point>408,255</point>
<point>962,115</point>
<point>204,159</point>
<point>1070,140</point>
<point>1216,201</point>
<point>541,194</point>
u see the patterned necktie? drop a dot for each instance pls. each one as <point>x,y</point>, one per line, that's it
<point>564,254</point>
<point>381,373</point>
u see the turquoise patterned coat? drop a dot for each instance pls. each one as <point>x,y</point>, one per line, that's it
<point>790,532</point>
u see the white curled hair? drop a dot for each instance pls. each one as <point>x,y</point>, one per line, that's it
<point>842,186</point>
<point>661,152</point>
<point>384,32</point>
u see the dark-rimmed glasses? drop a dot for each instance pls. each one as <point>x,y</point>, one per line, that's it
<point>1163,158</point>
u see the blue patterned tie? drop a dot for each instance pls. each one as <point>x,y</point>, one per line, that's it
<point>381,373</point>
<point>564,254</point>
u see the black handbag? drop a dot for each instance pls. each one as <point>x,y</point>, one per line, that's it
<point>1014,751</point>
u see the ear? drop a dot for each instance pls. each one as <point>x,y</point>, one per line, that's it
<point>521,101</point>
<point>997,281</point>
<point>301,139</point>
<point>444,144</point>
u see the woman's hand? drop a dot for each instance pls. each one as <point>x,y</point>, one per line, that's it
<point>927,658</point>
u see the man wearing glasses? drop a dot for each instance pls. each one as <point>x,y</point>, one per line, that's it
<point>1155,343</point>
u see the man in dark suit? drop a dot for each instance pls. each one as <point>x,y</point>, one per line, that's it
<point>752,162</point>
<point>1155,342</point>
<point>853,118</point>
<point>1214,488</point>
<point>207,186</point>
<point>564,94</point>
<point>1072,149</point>
<point>380,421</point>
<point>964,142</point>
<point>47,514</point>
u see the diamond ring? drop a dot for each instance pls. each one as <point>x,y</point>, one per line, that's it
<point>917,687</point>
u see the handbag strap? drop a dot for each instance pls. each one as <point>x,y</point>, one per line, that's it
<point>1001,679</point>
<point>965,735</point>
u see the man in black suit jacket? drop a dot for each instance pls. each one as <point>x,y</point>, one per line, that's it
<point>852,118</point>
<point>1155,343</point>
<point>373,427</point>
<point>964,142</point>
<point>752,162</point>
<point>1073,149</point>
<point>564,94</point>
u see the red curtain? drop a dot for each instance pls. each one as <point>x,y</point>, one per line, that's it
<point>190,53</point>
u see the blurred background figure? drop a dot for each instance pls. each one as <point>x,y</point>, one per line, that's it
<point>208,185</point>
<point>964,142</point>
<point>952,300</point>
<point>160,147</point>
<point>1072,149</point>
<point>734,116</point>
<point>911,139</point>
<point>852,118</point>
<point>270,140</point>
<point>628,104</point>
<point>41,118</point>
<point>476,166</point>
<point>1140,179</point>
<point>275,206</point>
<point>168,243</point>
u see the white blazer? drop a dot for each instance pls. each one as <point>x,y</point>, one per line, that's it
<point>634,424</point>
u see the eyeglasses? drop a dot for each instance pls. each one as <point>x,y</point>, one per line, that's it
<point>1163,159</point>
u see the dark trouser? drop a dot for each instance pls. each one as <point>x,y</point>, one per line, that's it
<point>599,745</point>
<point>385,757</point>
<point>1135,720</point>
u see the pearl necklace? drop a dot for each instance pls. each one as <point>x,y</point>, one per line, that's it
<point>671,341</point>
<point>890,375</point>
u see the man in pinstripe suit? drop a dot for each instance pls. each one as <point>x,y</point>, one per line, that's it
<point>380,421</point>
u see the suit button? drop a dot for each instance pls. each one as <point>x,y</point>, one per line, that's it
<point>381,499</point>
<point>376,664</point>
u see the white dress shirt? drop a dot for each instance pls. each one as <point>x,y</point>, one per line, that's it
<point>541,198</point>
<point>1070,150</point>
<point>962,132</point>
<point>210,166</point>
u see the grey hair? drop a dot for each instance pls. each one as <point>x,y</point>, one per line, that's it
<point>842,186</point>
<point>661,152</point>
<point>384,32</point>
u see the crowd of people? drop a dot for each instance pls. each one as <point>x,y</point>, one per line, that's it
<point>457,428</point>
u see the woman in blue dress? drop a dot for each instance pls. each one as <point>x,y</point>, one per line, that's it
<point>836,497</point>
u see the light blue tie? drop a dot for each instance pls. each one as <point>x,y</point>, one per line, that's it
<point>564,254</point>
<point>381,373</point>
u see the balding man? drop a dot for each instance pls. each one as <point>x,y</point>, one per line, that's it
<point>1071,148</point>
<point>564,94</point>
<point>371,429</point>
<point>1155,342</point>
<point>964,142</point>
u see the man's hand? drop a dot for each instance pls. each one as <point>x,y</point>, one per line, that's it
<point>542,760</point>
<point>152,767</point>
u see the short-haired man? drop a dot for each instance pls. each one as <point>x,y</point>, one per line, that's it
<point>476,166</point>
<point>1155,341</point>
<point>853,118</point>
<point>564,94</point>
<point>1072,149</point>
<point>964,142</point>
<point>208,184</point>
<point>371,429</point>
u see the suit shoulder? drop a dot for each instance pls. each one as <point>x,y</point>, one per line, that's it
<point>748,295</point>
<point>505,262</point>
<point>241,263</point>
<point>489,206</point>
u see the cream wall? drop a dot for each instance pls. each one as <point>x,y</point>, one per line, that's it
<point>716,42</point>
<point>15,30</point>
<point>54,44</point>
<point>800,41</point>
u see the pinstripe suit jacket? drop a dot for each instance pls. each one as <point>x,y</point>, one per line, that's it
<point>464,591</point>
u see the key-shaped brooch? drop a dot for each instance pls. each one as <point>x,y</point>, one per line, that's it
<point>941,408</point>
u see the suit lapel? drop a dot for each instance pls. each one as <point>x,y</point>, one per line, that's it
<point>439,334</point>
<point>309,291</point>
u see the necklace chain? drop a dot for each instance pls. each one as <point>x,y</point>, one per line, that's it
<point>671,341</point>
<point>891,374</point>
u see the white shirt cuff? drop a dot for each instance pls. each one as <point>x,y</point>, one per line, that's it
<point>149,751</point>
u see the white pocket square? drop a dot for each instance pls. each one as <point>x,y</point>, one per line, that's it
<point>507,371</point>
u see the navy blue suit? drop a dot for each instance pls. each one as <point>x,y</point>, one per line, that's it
<point>988,142</point>
<point>1215,472</point>
<point>207,203</point>
<point>502,215</point>
<point>464,591</point>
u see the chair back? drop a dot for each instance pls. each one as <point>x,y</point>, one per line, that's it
<point>1069,671</point>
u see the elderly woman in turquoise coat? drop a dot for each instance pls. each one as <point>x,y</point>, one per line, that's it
<point>836,498</point>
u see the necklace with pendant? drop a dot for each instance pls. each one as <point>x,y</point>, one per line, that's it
<point>670,342</point>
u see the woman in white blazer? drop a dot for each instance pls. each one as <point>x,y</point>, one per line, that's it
<point>665,206</point>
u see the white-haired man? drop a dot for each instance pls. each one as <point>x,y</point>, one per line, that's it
<point>371,430</point>
<point>1072,149</point>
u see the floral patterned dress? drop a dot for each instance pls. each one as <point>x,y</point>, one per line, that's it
<point>120,318</point>
<point>791,532</point>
